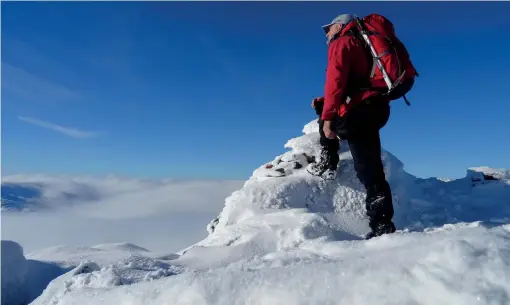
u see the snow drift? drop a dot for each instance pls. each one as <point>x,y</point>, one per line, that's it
<point>297,239</point>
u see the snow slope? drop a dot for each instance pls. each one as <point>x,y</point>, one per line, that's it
<point>298,240</point>
<point>451,265</point>
<point>24,277</point>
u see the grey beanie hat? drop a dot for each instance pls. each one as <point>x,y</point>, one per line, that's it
<point>340,19</point>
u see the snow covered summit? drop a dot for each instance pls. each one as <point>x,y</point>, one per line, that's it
<point>294,238</point>
<point>339,205</point>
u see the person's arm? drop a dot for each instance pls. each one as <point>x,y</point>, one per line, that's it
<point>336,77</point>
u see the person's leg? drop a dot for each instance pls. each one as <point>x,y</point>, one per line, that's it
<point>328,158</point>
<point>330,149</point>
<point>361,128</point>
<point>366,152</point>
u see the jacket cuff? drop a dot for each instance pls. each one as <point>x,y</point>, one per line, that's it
<point>328,116</point>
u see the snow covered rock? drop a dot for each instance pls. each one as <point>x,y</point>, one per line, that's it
<point>14,274</point>
<point>419,203</point>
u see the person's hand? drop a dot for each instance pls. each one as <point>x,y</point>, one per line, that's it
<point>328,132</point>
<point>317,100</point>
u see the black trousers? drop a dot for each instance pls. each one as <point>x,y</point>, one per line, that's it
<point>360,128</point>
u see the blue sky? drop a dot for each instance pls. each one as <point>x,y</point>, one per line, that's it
<point>213,90</point>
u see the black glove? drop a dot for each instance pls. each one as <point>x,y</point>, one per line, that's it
<point>318,108</point>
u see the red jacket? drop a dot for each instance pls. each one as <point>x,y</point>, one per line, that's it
<point>348,63</point>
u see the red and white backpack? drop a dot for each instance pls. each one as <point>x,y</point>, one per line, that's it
<point>393,72</point>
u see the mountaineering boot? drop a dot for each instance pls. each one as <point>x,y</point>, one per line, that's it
<point>320,165</point>
<point>380,229</point>
<point>324,167</point>
<point>379,205</point>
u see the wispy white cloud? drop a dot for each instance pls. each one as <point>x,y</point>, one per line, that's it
<point>72,132</point>
<point>29,86</point>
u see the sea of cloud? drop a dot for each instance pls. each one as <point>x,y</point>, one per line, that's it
<point>161,215</point>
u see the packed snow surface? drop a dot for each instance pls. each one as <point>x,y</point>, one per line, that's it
<point>293,238</point>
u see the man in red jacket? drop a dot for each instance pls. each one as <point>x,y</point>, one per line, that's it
<point>355,115</point>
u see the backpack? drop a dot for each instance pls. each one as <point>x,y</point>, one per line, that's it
<point>392,72</point>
